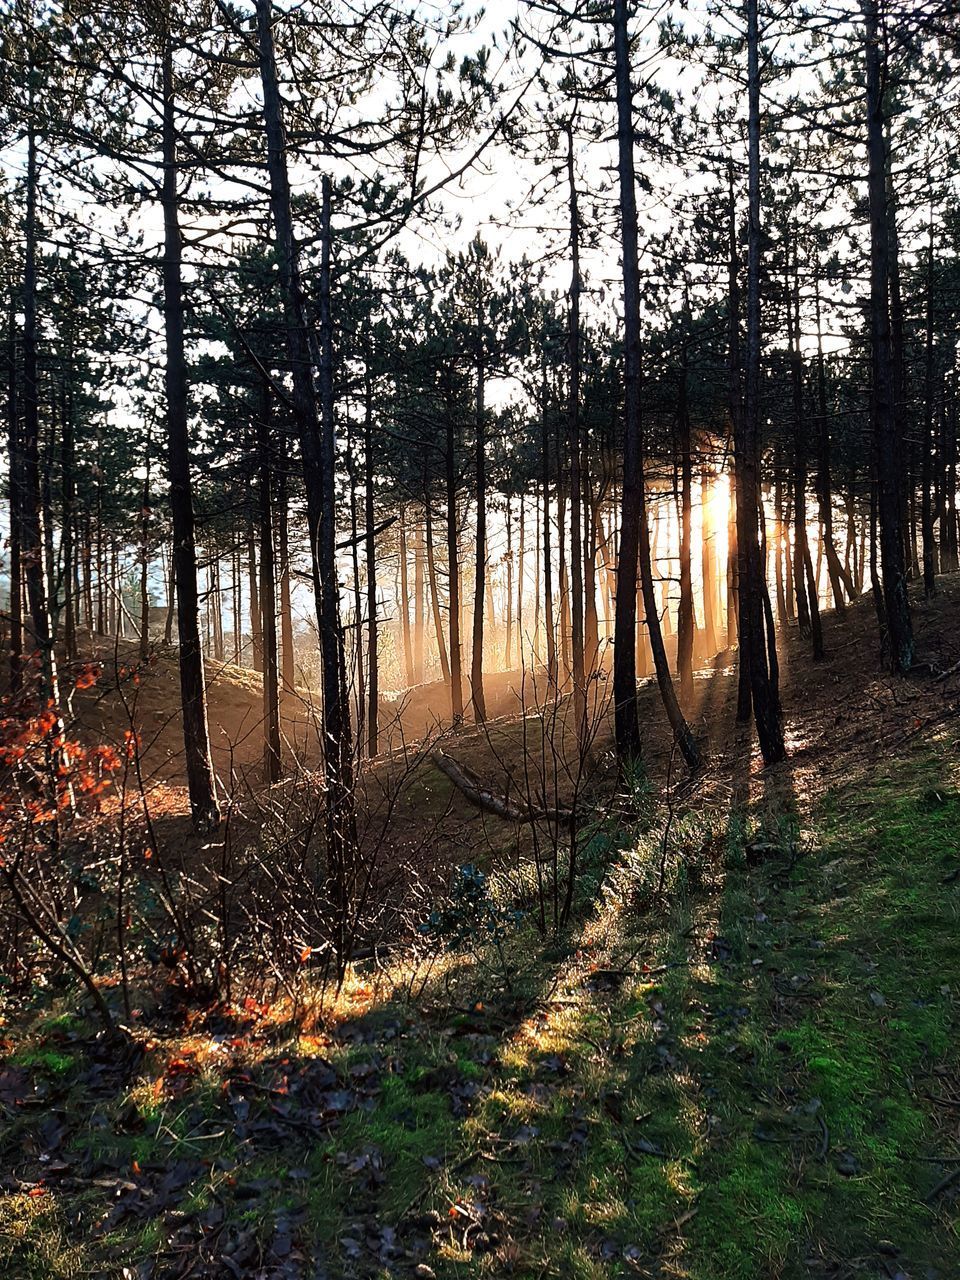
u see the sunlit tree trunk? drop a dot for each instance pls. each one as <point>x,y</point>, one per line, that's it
<point>708,562</point>
<point>288,672</point>
<point>573,416</point>
<point>406,639</point>
<point>453,572</point>
<point>480,576</point>
<point>268,598</point>
<point>370,564</point>
<point>547,551</point>
<point>435,596</point>
<point>418,603</point>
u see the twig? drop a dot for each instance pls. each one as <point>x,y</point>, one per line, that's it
<point>943,1185</point>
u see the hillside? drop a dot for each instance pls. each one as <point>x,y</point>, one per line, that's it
<point>751,1074</point>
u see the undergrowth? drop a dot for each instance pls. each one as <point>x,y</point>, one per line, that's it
<point>740,1063</point>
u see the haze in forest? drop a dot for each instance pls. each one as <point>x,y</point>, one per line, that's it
<point>480,620</point>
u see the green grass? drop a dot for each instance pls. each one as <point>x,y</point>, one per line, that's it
<point>764,1100</point>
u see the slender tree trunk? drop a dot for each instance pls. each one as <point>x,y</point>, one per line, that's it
<point>839,579</point>
<point>435,595</point>
<point>508,640</point>
<point>370,559</point>
<point>356,630</point>
<point>288,672</point>
<point>521,551</point>
<point>406,639</point>
<point>256,613</point>
<point>68,485</point>
<point>418,610</point>
<point>591,621</point>
<point>171,600</point>
<point>32,535</point>
<point>549,625</point>
<point>235,591</point>
<point>562,575</point>
<point>626,722</point>
<point>317,446</point>
<point>708,563</point>
<point>88,574</point>
<point>764,693</point>
<point>453,573</point>
<point>738,571</point>
<point>733,565</point>
<point>778,539</point>
<point>685,614</point>
<point>926,443</point>
<point>576,483</point>
<point>193,694</point>
<point>949,533</point>
<point>268,597</point>
<point>634,532</point>
<point>16,496</point>
<point>480,576</point>
<point>899,629</point>
<point>808,605</point>
<point>145,561</point>
<point>216,600</point>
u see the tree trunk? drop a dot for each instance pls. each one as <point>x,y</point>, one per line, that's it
<point>435,595</point>
<point>552,674</point>
<point>899,629</point>
<point>839,579</point>
<point>808,605</point>
<point>370,563</point>
<point>16,497</point>
<point>68,485</point>
<point>418,610</point>
<point>738,579</point>
<point>256,613</point>
<point>317,448</point>
<point>576,485</point>
<point>685,614</point>
<point>926,441</point>
<point>216,600</point>
<point>480,576</point>
<point>708,563</point>
<point>763,687</point>
<point>406,639</point>
<point>32,535</point>
<point>288,672</point>
<point>145,561</point>
<point>508,641</point>
<point>634,532</point>
<point>268,597</point>
<point>453,573</point>
<point>193,695</point>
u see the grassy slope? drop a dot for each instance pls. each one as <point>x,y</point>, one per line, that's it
<point>764,1108</point>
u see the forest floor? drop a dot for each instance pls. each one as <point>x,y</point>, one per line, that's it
<point>756,1078</point>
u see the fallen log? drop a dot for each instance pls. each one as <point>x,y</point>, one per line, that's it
<point>478,793</point>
